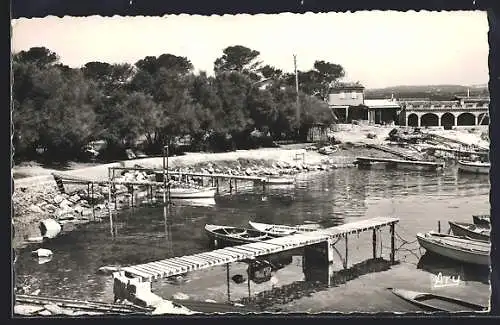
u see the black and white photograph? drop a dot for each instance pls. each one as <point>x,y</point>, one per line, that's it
<point>285,163</point>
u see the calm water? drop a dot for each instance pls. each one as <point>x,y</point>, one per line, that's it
<point>419,199</point>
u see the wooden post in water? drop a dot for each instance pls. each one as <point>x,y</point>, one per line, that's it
<point>374,241</point>
<point>132,196</point>
<point>217,184</point>
<point>228,289</point>
<point>230,186</point>
<point>346,251</point>
<point>439,226</point>
<point>109,208</point>
<point>235,184</point>
<point>248,284</point>
<point>92,201</point>
<point>393,252</point>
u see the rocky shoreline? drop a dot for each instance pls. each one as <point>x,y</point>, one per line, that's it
<point>34,204</point>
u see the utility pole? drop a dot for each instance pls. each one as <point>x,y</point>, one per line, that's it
<point>297,87</point>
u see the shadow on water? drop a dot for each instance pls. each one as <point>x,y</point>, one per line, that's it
<point>437,264</point>
<point>316,279</point>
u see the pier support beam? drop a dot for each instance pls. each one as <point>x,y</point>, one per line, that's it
<point>346,252</point>
<point>374,241</point>
<point>392,244</point>
<point>228,282</point>
<point>320,254</point>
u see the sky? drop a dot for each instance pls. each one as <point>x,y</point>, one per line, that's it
<point>376,48</point>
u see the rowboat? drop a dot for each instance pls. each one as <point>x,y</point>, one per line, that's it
<point>433,302</point>
<point>282,230</point>
<point>462,249</point>
<point>191,193</point>
<point>469,230</point>
<point>279,181</point>
<point>229,236</point>
<point>482,220</point>
<point>215,307</point>
<point>475,167</point>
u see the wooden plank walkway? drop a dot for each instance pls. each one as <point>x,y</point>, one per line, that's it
<point>178,265</point>
<point>368,160</point>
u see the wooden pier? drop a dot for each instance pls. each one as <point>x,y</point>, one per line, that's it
<point>367,161</point>
<point>393,151</point>
<point>179,265</point>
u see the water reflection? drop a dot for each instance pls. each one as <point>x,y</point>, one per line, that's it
<point>316,279</point>
<point>436,264</point>
<point>146,234</point>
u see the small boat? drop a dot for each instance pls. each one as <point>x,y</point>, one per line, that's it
<point>469,230</point>
<point>215,307</point>
<point>191,193</point>
<point>462,249</point>
<point>279,181</point>
<point>433,302</point>
<point>229,236</point>
<point>482,220</point>
<point>282,230</point>
<point>475,167</point>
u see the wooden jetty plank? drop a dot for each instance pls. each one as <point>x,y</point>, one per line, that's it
<point>137,272</point>
<point>253,250</point>
<point>223,251</point>
<point>173,267</point>
<point>208,259</point>
<point>218,255</point>
<point>178,265</point>
<point>153,273</point>
<point>164,267</point>
<point>267,247</point>
<point>196,261</point>
<point>182,266</point>
<point>155,267</point>
<point>190,266</point>
<point>241,253</point>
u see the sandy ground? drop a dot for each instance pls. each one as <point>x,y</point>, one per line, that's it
<point>346,133</point>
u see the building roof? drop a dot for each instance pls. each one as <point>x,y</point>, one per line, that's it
<point>382,103</point>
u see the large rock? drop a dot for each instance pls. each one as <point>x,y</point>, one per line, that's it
<point>58,199</point>
<point>35,209</point>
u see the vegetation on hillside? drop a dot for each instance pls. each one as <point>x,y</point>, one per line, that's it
<point>431,92</point>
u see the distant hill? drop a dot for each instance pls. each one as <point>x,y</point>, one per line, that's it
<point>433,92</point>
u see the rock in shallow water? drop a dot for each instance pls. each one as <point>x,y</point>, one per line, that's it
<point>42,252</point>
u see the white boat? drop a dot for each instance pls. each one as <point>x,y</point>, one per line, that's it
<point>475,167</point>
<point>280,181</point>
<point>191,193</point>
<point>461,249</point>
<point>433,302</point>
<point>282,230</point>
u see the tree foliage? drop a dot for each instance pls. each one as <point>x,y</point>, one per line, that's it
<point>58,109</point>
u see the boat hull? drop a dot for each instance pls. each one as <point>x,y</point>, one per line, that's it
<point>473,168</point>
<point>425,301</point>
<point>482,220</point>
<point>282,230</point>
<point>223,236</point>
<point>444,246</point>
<point>469,230</point>
<point>181,193</point>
